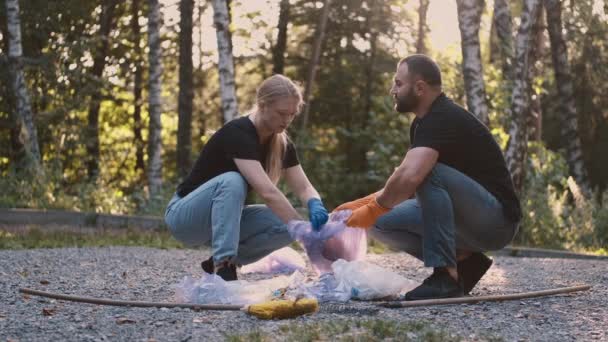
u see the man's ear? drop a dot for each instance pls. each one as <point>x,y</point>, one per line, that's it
<point>419,87</point>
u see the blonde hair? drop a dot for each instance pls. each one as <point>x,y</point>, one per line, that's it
<point>272,89</point>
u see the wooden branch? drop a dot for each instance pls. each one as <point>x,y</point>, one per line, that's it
<point>130,303</point>
<point>493,298</point>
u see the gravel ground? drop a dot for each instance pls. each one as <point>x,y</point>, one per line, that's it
<point>135,273</point>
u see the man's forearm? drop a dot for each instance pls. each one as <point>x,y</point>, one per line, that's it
<point>399,187</point>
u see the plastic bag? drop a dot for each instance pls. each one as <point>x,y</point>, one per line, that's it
<point>334,241</point>
<point>212,289</point>
<point>368,281</point>
<point>284,260</point>
<point>325,289</point>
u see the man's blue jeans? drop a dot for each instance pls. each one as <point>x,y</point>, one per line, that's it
<point>451,211</point>
<point>214,214</point>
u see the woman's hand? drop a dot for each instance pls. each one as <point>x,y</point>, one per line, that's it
<point>317,213</point>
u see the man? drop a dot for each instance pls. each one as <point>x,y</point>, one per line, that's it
<point>464,200</point>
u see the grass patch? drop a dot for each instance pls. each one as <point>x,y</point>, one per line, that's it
<point>38,238</point>
<point>350,330</point>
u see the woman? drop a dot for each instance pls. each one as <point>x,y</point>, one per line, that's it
<point>251,152</point>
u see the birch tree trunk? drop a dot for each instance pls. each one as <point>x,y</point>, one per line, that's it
<point>503,26</point>
<point>537,51</point>
<point>563,80</point>
<point>517,145</point>
<point>225,61</point>
<point>137,87</point>
<point>278,53</point>
<point>99,63</point>
<point>22,117</point>
<point>154,90</point>
<point>314,60</point>
<point>422,27</point>
<point>469,18</point>
<point>186,93</point>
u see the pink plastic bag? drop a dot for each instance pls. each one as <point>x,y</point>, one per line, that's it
<point>284,260</point>
<point>334,241</point>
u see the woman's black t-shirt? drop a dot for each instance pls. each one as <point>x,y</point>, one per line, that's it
<point>466,144</point>
<point>236,139</point>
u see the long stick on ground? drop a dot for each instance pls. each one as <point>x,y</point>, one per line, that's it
<point>105,301</point>
<point>494,298</point>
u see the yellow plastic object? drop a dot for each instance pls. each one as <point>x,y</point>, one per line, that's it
<point>280,309</point>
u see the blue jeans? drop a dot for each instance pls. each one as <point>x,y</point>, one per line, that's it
<point>214,214</point>
<point>451,211</point>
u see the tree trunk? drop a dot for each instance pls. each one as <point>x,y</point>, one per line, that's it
<point>23,130</point>
<point>563,80</point>
<point>200,82</point>
<point>314,60</point>
<point>469,18</point>
<point>155,128</point>
<point>537,51</point>
<point>225,62</point>
<point>422,27</point>
<point>278,53</point>
<point>503,27</point>
<point>99,63</point>
<point>137,87</point>
<point>517,145</point>
<point>184,128</point>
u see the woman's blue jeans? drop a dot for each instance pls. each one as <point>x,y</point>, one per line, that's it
<point>214,214</point>
<point>451,211</point>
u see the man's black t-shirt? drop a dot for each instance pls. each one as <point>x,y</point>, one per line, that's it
<point>236,139</point>
<point>467,145</point>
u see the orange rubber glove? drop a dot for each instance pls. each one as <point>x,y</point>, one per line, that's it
<point>356,204</point>
<point>366,216</point>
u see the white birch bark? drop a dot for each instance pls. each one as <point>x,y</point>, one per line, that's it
<point>154,104</point>
<point>563,80</point>
<point>469,18</point>
<point>221,22</point>
<point>23,115</point>
<point>518,136</point>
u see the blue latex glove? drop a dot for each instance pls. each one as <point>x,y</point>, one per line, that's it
<point>317,213</point>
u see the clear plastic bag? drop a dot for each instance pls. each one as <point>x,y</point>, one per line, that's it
<point>334,241</point>
<point>325,289</point>
<point>368,281</point>
<point>212,289</point>
<point>281,261</point>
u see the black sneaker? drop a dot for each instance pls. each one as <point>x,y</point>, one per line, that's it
<point>471,269</point>
<point>227,271</point>
<point>208,266</point>
<point>439,285</point>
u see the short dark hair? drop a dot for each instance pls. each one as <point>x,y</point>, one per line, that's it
<point>423,67</point>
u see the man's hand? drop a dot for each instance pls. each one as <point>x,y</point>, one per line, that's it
<point>356,204</point>
<point>366,215</point>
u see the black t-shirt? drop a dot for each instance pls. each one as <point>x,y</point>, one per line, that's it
<point>236,139</point>
<point>466,144</point>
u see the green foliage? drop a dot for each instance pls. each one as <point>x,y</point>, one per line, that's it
<point>51,191</point>
<point>48,238</point>
<point>552,217</point>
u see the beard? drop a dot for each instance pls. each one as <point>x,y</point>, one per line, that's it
<point>406,103</point>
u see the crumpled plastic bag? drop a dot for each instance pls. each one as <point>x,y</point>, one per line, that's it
<point>325,289</point>
<point>334,241</point>
<point>212,289</point>
<point>368,281</point>
<point>281,261</point>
